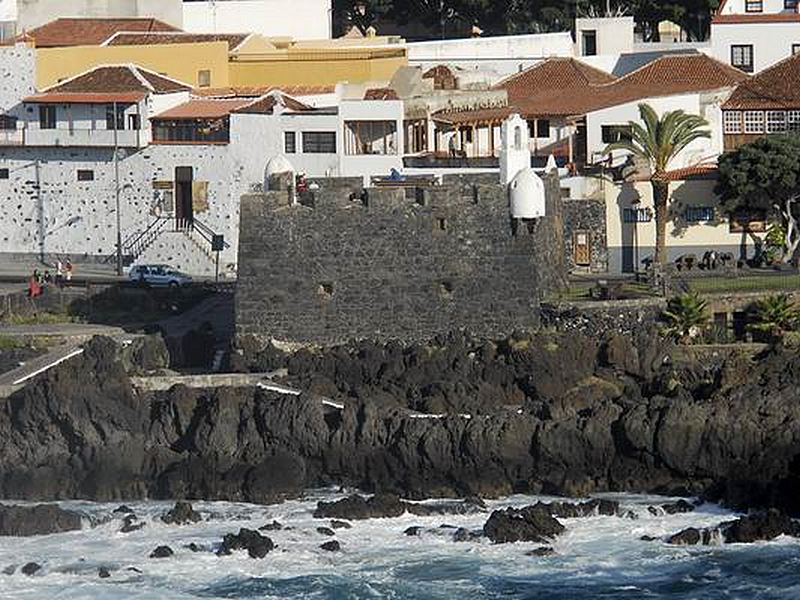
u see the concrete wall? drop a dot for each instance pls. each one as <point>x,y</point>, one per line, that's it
<point>17,73</point>
<point>682,237</point>
<point>303,19</point>
<point>393,268</point>
<point>33,13</point>
<point>503,54</point>
<point>772,42</point>
<point>179,61</point>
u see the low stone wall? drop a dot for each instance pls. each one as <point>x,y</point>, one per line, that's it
<point>601,319</point>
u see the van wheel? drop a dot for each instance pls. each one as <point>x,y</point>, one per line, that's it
<point>173,285</point>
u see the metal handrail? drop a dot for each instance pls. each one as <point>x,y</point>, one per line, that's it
<point>206,232</point>
<point>138,242</point>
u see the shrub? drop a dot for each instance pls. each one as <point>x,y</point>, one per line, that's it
<point>686,317</point>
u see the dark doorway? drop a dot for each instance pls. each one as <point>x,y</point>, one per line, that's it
<point>628,261</point>
<point>589,45</point>
<point>184,215</point>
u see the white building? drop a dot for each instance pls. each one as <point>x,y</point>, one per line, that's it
<point>502,54</point>
<point>752,35</point>
<point>29,14</point>
<point>297,19</point>
<point>181,165</point>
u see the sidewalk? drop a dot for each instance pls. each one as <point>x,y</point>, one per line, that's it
<point>20,271</point>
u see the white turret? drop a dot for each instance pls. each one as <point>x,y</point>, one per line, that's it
<point>526,195</point>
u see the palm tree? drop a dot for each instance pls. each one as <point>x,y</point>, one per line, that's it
<point>686,316</point>
<point>774,316</point>
<point>659,141</point>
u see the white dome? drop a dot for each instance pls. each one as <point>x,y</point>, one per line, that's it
<point>278,164</point>
<point>527,198</point>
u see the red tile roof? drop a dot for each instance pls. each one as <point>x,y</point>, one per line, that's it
<point>776,87</point>
<point>553,73</point>
<point>119,78</point>
<point>757,18</point>
<point>266,104</point>
<point>197,108</point>
<point>570,93</point>
<point>234,40</point>
<point>380,94</point>
<point>691,173</point>
<point>86,98</point>
<point>79,31</point>
<point>257,92</point>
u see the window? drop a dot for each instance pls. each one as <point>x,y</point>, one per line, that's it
<point>589,43</point>
<point>742,57</point>
<point>47,117</point>
<point>319,142</point>
<point>289,142</point>
<point>210,131</point>
<point>793,120</point>
<point>754,6</point>
<point>8,122</point>
<point>134,122</point>
<point>776,121</point>
<point>754,121</point>
<point>733,121</point>
<point>795,49</point>
<point>615,133</point>
<point>85,175</point>
<point>697,214</point>
<point>120,121</point>
<point>3,173</point>
<point>370,137</point>
<point>637,215</point>
<point>542,128</point>
<point>204,78</point>
<point>790,4</point>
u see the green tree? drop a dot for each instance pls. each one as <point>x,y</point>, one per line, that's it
<point>774,317</point>
<point>658,141</point>
<point>361,14</point>
<point>764,175</point>
<point>685,317</point>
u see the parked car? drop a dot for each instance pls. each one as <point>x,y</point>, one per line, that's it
<point>158,275</point>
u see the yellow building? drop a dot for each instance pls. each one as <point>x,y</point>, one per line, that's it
<point>202,64</point>
<point>319,65</point>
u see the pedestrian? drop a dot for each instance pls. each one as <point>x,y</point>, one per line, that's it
<point>48,277</point>
<point>34,289</point>
<point>37,276</point>
<point>68,270</point>
<point>452,146</point>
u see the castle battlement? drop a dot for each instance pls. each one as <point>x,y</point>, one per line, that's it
<point>400,263</point>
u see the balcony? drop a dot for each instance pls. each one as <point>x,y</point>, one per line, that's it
<point>84,137</point>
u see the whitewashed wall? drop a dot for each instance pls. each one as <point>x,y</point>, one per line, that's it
<point>17,75</point>
<point>706,105</point>
<point>298,19</point>
<point>772,42</point>
<point>503,54</point>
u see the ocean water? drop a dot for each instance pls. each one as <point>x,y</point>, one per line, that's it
<point>596,558</point>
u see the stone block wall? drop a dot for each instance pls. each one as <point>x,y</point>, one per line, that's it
<point>588,216</point>
<point>17,75</point>
<point>393,268</point>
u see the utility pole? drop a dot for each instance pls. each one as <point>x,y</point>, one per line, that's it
<point>116,191</point>
<point>40,202</point>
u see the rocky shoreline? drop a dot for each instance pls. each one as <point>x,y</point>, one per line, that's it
<point>552,414</point>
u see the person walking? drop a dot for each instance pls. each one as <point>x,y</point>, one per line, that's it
<point>68,270</point>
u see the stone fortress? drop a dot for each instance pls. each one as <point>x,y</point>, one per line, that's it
<point>403,262</point>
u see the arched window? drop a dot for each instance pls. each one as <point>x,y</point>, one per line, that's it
<point>517,138</point>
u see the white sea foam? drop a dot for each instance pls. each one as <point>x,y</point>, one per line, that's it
<point>595,554</point>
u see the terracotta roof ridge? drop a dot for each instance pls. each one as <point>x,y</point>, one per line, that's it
<point>81,74</point>
<point>140,69</point>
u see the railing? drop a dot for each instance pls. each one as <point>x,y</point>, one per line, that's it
<point>205,232</point>
<point>136,243</point>
<point>83,137</point>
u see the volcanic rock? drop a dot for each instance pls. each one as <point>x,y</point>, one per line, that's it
<point>36,520</point>
<point>274,526</point>
<point>122,509</point>
<point>30,568</point>
<point>162,552</point>
<point>332,546</point>
<point>413,530</point>
<point>181,514</point>
<point>103,573</point>
<point>336,524</point>
<point>529,524</point>
<point>541,551</point>
<point>325,531</point>
<point>129,524</point>
<point>257,545</point>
